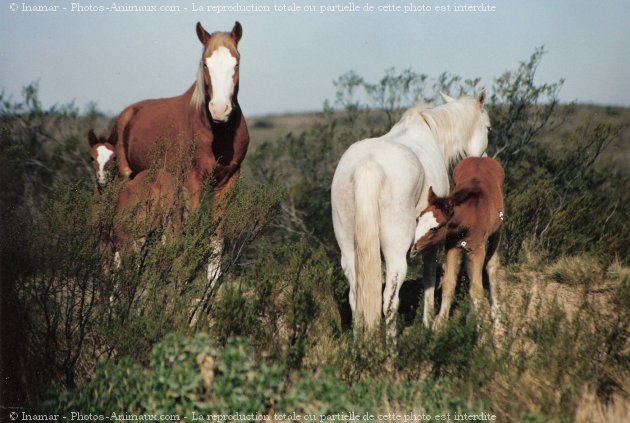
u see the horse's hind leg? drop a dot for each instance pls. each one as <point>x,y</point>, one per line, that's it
<point>347,264</point>
<point>448,284</point>
<point>395,241</point>
<point>475,263</point>
<point>492,267</point>
<point>428,281</point>
<point>396,265</point>
<point>345,238</point>
<point>344,232</point>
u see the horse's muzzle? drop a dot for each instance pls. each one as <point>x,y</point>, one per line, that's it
<point>220,112</point>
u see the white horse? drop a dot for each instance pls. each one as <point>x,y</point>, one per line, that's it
<point>380,187</point>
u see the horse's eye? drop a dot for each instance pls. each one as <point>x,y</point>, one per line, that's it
<point>434,230</point>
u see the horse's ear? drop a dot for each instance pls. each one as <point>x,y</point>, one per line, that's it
<point>447,98</point>
<point>432,196</point>
<point>481,97</point>
<point>92,138</point>
<point>202,34</point>
<point>237,31</point>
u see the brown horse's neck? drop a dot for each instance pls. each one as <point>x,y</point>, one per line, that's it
<point>226,138</point>
<point>218,143</point>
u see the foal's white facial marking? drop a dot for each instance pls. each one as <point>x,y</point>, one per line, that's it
<point>426,222</point>
<point>221,67</point>
<point>103,155</point>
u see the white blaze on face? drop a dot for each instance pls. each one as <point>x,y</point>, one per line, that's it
<point>221,66</point>
<point>426,222</point>
<point>103,155</point>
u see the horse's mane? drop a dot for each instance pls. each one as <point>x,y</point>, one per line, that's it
<point>450,124</point>
<point>216,40</point>
<point>199,96</point>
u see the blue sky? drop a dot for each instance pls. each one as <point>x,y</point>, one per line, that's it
<point>290,59</point>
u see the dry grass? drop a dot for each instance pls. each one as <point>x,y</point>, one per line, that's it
<point>557,316</point>
<point>592,410</point>
<point>570,284</point>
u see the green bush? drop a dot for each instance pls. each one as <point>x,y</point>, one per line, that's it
<point>558,201</point>
<point>65,304</point>
<point>187,375</point>
<point>183,375</point>
<point>285,298</point>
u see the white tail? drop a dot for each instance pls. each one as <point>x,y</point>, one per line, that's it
<point>368,181</point>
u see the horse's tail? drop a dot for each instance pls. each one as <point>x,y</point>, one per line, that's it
<point>368,181</point>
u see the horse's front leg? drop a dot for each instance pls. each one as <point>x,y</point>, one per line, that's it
<point>428,281</point>
<point>219,207</point>
<point>193,186</point>
<point>215,270</point>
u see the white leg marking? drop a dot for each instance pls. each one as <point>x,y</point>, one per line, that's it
<point>214,264</point>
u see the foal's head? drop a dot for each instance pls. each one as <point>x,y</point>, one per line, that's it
<point>103,154</point>
<point>217,79</point>
<point>431,227</point>
<point>447,214</point>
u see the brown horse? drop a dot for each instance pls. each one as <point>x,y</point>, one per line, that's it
<point>145,203</point>
<point>470,219</point>
<point>204,126</point>
<point>206,122</point>
<point>103,155</point>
